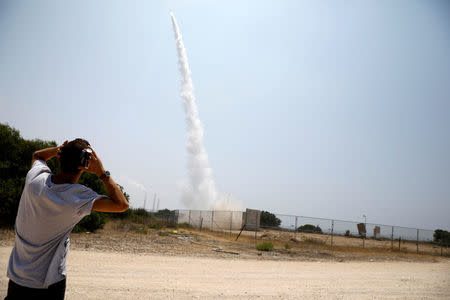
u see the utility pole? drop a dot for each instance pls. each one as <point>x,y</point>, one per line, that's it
<point>154,200</point>
<point>145,200</point>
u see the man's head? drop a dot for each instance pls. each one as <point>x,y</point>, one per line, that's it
<point>70,155</point>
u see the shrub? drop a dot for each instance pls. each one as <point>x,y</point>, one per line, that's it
<point>268,219</point>
<point>148,219</point>
<point>125,214</point>
<point>94,221</point>
<point>141,231</point>
<point>315,241</point>
<point>165,214</point>
<point>287,246</point>
<point>154,226</point>
<point>141,212</point>
<point>309,228</point>
<point>442,237</point>
<point>138,215</point>
<point>266,246</point>
<point>169,216</point>
<point>184,225</point>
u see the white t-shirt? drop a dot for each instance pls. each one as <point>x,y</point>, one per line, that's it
<point>46,216</point>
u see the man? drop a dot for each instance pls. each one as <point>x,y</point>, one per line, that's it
<point>50,206</point>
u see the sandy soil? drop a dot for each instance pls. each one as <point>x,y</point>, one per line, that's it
<point>129,261</point>
<point>95,275</point>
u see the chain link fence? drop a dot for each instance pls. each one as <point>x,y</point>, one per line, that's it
<point>346,234</point>
<point>214,220</point>
<point>335,234</point>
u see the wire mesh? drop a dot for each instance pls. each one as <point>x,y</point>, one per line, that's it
<point>332,233</point>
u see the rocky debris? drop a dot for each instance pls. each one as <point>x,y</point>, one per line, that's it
<point>223,251</point>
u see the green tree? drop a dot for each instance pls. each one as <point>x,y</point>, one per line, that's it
<point>310,228</point>
<point>128,212</point>
<point>165,214</point>
<point>125,194</point>
<point>268,219</point>
<point>442,237</point>
<point>15,159</point>
<point>96,220</point>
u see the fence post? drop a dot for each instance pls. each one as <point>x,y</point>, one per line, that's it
<point>417,241</point>
<point>364,236</point>
<point>332,231</point>
<point>256,222</point>
<point>295,229</point>
<point>201,221</point>
<point>189,217</point>
<point>231,221</point>
<point>392,238</point>
<point>399,243</point>
<point>212,220</point>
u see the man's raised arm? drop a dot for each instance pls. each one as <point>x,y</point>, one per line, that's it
<point>116,201</point>
<point>46,154</point>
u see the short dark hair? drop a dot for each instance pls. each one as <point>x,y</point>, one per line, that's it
<point>70,155</point>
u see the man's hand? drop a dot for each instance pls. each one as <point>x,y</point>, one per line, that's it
<point>95,165</point>
<point>58,149</point>
<point>46,154</point>
<point>116,201</point>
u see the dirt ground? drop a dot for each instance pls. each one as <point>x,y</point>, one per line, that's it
<point>127,262</point>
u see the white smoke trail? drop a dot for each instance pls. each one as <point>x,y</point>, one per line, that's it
<point>201,192</point>
<point>227,202</point>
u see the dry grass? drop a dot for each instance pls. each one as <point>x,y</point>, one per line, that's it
<point>119,235</point>
<point>320,244</point>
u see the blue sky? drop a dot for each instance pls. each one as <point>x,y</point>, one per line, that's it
<point>330,109</point>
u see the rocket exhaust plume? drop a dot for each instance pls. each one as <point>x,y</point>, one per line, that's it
<point>200,192</point>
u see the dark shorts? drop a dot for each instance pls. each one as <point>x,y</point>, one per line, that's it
<point>55,291</point>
